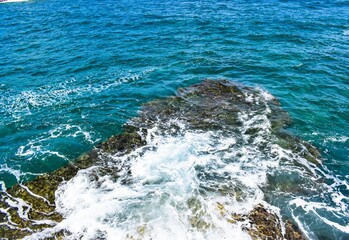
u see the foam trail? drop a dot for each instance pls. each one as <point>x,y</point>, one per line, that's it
<point>341,139</point>
<point>313,206</point>
<point>12,1</point>
<point>24,103</point>
<point>40,145</point>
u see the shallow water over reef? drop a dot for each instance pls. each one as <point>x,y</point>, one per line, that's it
<point>212,162</point>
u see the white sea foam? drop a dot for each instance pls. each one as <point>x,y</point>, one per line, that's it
<point>163,183</point>
<point>23,209</point>
<point>311,206</point>
<point>74,131</point>
<point>21,206</point>
<point>175,186</point>
<point>12,1</point>
<point>332,209</point>
<point>15,172</point>
<point>341,139</point>
<point>35,195</point>
<point>40,145</point>
<point>265,95</point>
<point>172,187</point>
<point>346,32</point>
<point>25,102</point>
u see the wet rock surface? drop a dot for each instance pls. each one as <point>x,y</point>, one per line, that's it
<point>263,224</point>
<point>30,207</point>
<point>211,105</point>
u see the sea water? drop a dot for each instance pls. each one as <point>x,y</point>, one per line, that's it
<point>73,72</point>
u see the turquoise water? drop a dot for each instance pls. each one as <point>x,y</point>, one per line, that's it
<point>72,72</point>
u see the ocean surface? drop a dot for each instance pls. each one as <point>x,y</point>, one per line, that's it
<point>73,72</point>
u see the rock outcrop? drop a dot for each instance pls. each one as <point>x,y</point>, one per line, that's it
<point>211,105</point>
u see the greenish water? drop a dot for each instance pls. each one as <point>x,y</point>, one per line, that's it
<point>73,72</point>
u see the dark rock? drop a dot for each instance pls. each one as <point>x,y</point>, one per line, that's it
<point>122,143</point>
<point>265,225</point>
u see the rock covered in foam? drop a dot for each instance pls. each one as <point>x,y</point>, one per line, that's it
<point>30,207</point>
<point>264,224</point>
<point>208,106</point>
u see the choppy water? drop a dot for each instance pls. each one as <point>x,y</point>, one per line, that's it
<point>72,72</point>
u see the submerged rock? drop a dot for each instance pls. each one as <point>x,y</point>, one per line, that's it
<point>209,106</point>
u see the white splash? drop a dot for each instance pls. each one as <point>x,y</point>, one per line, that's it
<point>167,194</point>
<point>174,187</point>
<point>12,1</point>
<point>341,139</point>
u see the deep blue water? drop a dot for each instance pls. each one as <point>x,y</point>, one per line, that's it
<point>72,72</point>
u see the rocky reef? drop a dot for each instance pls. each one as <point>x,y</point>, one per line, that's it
<point>30,207</point>
<point>209,106</point>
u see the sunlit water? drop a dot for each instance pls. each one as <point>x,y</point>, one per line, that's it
<point>72,72</point>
